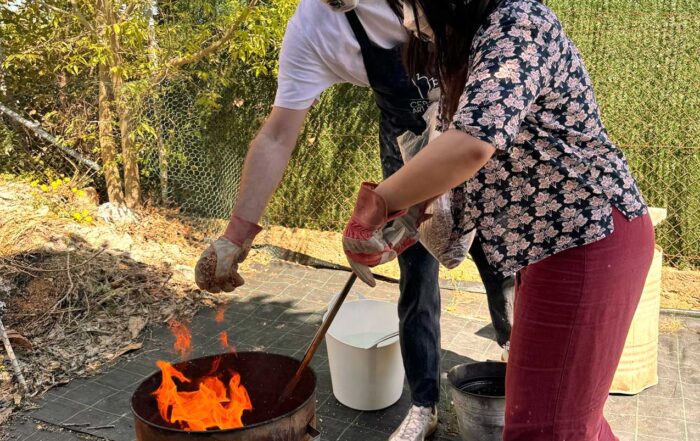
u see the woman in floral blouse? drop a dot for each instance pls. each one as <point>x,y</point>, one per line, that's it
<point>548,192</point>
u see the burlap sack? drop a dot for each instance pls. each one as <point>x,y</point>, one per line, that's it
<point>435,233</point>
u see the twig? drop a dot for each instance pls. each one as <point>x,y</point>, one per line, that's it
<point>75,424</point>
<point>11,354</point>
<point>70,287</point>
<point>108,426</point>
<point>216,45</point>
<point>42,270</point>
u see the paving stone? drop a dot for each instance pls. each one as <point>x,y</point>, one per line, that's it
<point>662,427</point>
<point>666,388</point>
<point>656,438</point>
<point>19,428</point>
<point>386,420</point>
<point>334,409</point>
<point>123,429</point>
<point>355,433</point>
<point>293,341</point>
<point>93,416</point>
<point>305,329</point>
<point>668,370</point>
<point>625,436</point>
<point>321,398</point>
<point>621,405</point>
<point>118,403</point>
<point>118,379</point>
<point>54,436</point>
<point>655,406</point>
<point>622,423</point>
<point>57,410</point>
<point>330,428</point>
<point>89,393</point>
<point>692,407</point>
<point>280,308</point>
<point>270,312</point>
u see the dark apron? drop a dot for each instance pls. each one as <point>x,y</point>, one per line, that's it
<point>400,99</point>
<point>402,102</point>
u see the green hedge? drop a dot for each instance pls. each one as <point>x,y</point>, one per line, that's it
<point>641,54</point>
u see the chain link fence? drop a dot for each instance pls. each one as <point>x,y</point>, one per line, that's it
<point>642,56</point>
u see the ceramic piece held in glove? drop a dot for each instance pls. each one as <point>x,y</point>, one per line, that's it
<point>217,268</point>
<point>363,240</point>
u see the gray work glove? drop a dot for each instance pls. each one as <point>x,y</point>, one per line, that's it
<point>217,268</point>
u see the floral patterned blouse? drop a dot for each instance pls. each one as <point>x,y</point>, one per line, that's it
<point>556,175</point>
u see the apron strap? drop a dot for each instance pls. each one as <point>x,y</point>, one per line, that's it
<point>358,29</point>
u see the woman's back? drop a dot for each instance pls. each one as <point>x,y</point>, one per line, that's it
<point>556,174</point>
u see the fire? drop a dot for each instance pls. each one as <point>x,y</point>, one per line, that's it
<point>223,338</point>
<point>216,400</point>
<point>212,405</point>
<point>219,318</point>
<point>183,337</point>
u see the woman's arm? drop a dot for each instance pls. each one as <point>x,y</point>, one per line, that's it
<point>451,159</point>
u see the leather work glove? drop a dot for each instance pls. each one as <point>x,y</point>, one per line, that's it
<point>217,268</point>
<point>403,232</point>
<point>363,240</point>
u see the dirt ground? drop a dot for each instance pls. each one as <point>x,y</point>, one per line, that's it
<point>327,246</point>
<point>680,289</point>
<point>82,289</point>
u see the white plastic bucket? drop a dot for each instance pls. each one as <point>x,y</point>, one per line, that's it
<point>365,379</point>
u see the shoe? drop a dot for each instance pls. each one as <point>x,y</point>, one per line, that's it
<point>504,354</point>
<point>420,423</point>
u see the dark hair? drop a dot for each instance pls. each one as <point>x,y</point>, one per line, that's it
<point>454,24</point>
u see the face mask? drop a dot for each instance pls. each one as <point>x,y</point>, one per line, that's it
<point>341,5</point>
<point>413,23</point>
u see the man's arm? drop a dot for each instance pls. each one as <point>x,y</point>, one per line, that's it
<point>303,76</point>
<point>266,161</point>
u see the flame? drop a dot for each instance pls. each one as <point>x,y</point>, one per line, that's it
<point>183,337</point>
<point>223,338</point>
<point>212,405</point>
<point>219,317</point>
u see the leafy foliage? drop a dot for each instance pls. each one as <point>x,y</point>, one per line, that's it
<point>201,115</point>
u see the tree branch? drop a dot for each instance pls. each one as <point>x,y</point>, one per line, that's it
<point>215,46</point>
<point>75,14</point>
<point>38,131</point>
<point>129,10</point>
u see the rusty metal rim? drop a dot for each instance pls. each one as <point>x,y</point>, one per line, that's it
<point>209,432</point>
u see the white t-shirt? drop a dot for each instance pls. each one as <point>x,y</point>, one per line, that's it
<point>319,49</point>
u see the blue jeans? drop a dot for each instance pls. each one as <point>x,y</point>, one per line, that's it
<point>419,302</point>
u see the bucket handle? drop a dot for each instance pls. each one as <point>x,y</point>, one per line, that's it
<point>314,435</point>
<point>334,299</point>
<point>381,340</point>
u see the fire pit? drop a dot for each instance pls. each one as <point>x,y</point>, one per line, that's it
<point>263,375</point>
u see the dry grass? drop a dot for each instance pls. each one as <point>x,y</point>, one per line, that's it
<point>680,289</point>
<point>670,325</point>
<point>72,287</point>
<point>327,246</point>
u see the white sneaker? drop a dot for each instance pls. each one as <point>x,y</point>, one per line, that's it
<point>506,350</point>
<point>420,423</point>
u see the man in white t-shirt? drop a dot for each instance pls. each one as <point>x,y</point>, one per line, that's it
<point>355,42</point>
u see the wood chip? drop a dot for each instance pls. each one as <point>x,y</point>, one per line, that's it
<point>5,415</point>
<point>18,339</point>
<point>126,349</point>
<point>136,325</point>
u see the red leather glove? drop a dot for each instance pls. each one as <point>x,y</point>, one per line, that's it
<point>363,241</point>
<point>217,268</point>
<point>403,232</point>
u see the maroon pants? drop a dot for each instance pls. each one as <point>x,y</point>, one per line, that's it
<point>572,314</point>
